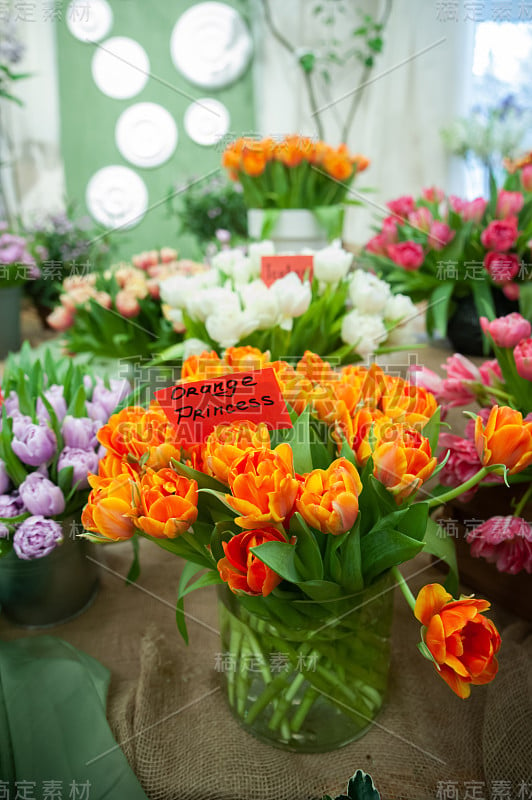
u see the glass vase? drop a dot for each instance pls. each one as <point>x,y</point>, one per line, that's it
<point>308,687</point>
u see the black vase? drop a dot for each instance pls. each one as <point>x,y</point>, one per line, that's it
<point>463,328</point>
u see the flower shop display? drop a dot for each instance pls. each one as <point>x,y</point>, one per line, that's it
<point>302,529</point>
<point>493,519</point>
<point>294,188</point>
<point>465,258</point>
<point>51,413</point>
<point>342,315</point>
<point>118,313</point>
<point>16,267</point>
<point>63,247</point>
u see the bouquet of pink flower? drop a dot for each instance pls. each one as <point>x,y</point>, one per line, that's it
<point>119,312</point>
<point>505,540</point>
<point>442,248</point>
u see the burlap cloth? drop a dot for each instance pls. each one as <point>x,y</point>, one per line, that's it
<point>171,719</point>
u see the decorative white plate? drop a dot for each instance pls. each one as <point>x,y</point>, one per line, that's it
<point>89,20</point>
<point>211,45</point>
<point>146,134</point>
<point>117,197</point>
<point>120,67</point>
<point>206,121</point>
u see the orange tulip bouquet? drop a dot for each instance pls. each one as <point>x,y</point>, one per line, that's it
<point>302,529</point>
<point>296,172</point>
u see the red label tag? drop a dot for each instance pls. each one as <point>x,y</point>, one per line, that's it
<point>274,267</point>
<point>196,408</point>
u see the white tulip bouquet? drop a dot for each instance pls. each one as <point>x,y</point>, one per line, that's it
<point>341,315</point>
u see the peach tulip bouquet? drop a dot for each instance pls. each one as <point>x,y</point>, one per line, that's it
<point>303,529</point>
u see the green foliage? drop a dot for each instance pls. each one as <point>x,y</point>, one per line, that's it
<point>360,787</point>
<point>204,209</point>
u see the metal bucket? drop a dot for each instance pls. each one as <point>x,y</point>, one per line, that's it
<point>46,591</point>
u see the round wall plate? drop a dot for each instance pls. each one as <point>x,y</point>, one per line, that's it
<point>211,45</point>
<point>89,20</point>
<point>207,121</point>
<point>120,67</point>
<point>117,197</point>
<point>146,134</point>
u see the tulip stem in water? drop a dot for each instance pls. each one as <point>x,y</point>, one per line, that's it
<point>456,492</point>
<point>405,588</point>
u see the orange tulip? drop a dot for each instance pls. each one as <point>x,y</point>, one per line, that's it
<point>370,383</point>
<point>109,507</point>
<point>227,442</point>
<point>245,359</point>
<point>206,365</point>
<point>263,486</point>
<point>334,400</point>
<point>404,402</point>
<point>338,166</point>
<point>134,431</point>
<point>111,466</point>
<point>461,640</point>
<point>315,368</point>
<point>253,161</point>
<point>403,462</point>
<point>292,151</point>
<point>242,570</point>
<point>329,498</point>
<point>366,425</point>
<point>360,162</point>
<point>505,439</point>
<point>168,504</point>
<point>295,388</point>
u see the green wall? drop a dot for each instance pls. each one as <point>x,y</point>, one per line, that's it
<point>88,118</point>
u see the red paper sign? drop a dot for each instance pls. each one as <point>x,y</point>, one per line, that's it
<point>196,408</point>
<point>274,267</point>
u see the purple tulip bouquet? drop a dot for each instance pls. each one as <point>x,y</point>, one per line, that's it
<point>50,414</point>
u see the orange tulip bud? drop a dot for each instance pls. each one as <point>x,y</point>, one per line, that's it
<point>109,507</point>
<point>227,442</point>
<point>245,359</point>
<point>404,462</point>
<point>329,499</point>
<point>263,486</point>
<point>242,570</point>
<point>168,504</point>
<point>505,439</point>
<point>461,640</point>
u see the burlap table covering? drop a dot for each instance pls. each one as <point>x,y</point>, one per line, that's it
<point>170,717</point>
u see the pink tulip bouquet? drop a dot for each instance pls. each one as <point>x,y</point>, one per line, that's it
<point>119,313</point>
<point>50,415</point>
<point>441,249</point>
<point>505,540</point>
